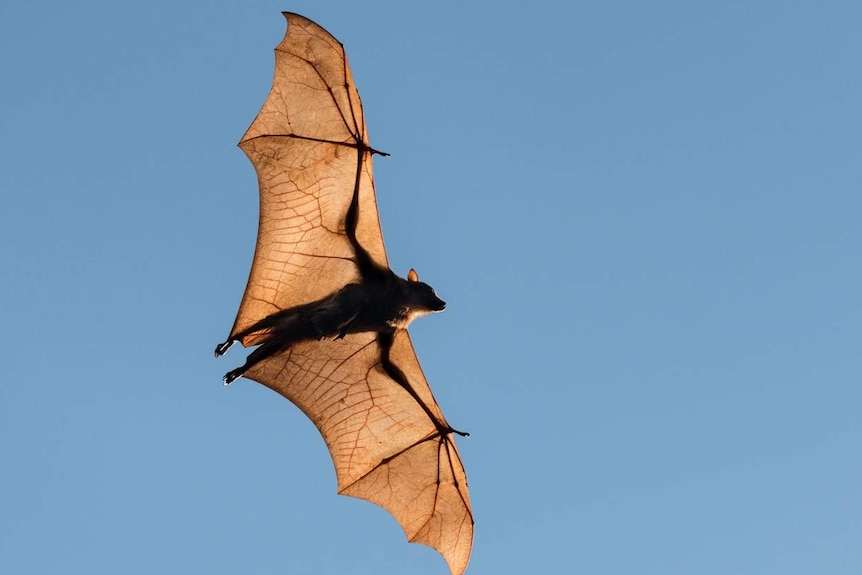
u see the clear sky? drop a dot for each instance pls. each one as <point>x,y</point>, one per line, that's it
<point>645,217</point>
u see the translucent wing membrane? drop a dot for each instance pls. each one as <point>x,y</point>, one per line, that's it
<point>310,149</point>
<point>384,446</point>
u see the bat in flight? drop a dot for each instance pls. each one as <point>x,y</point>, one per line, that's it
<point>328,316</point>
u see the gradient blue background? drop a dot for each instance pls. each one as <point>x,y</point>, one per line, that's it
<point>645,218</point>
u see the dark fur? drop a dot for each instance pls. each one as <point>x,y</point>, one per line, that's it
<point>382,304</point>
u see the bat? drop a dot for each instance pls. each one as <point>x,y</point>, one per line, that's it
<point>328,316</point>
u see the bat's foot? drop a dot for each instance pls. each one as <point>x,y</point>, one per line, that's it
<point>223,347</point>
<point>232,376</point>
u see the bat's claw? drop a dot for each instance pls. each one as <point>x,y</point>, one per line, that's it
<point>223,347</point>
<point>232,376</point>
<point>461,433</point>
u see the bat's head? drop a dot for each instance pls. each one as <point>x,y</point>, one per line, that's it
<point>418,299</point>
<point>425,296</point>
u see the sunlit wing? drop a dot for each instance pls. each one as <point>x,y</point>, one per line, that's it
<point>384,446</point>
<point>309,147</point>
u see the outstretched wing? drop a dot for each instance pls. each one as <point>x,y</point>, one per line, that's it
<point>384,446</point>
<point>310,149</point>
<point>309,146</point>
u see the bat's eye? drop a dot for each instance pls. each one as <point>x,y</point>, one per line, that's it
<point>412,276</point>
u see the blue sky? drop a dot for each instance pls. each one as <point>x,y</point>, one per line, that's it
<point>645,219</point>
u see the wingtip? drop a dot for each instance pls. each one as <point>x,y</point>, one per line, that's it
<point>457,565</point>
<point>288,16</point>
<point>442,520</point>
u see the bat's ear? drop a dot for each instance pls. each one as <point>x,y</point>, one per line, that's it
<point>412,276</point>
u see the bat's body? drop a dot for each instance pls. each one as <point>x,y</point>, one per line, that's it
<point>381,304</point>
<point>328,315</point>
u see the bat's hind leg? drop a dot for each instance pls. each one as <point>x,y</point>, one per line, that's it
<point>233,375</point>
<point>282,329</point>
<point>265,323</point>
<point>265,350</point>
<point>223,347</point>
<point>281,321</point>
